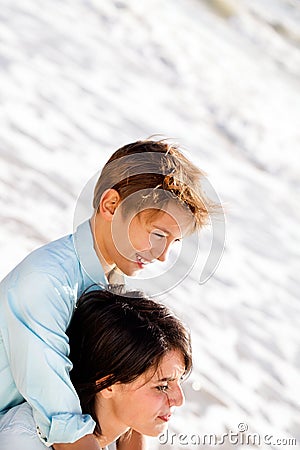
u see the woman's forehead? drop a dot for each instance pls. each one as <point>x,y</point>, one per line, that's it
<point>170,367</point>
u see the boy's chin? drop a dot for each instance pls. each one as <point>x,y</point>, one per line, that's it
<point>132,272</point>
<point>130,265</point>
<point>131,268</point>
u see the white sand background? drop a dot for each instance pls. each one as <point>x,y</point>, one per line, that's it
<point>80,78</point>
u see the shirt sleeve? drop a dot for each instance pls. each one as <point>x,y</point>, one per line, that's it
<point>38,310</point>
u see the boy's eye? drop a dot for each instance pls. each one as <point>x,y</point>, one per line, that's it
<point>159,235</point>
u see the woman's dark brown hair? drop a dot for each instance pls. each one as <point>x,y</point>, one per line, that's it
<point>116,338</point>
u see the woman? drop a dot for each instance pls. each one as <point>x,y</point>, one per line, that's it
<point>129,357</point>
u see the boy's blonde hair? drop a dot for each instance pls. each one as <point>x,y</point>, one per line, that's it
<point>160,172</point>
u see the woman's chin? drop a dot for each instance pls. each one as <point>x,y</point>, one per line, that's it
<point>158,430</point>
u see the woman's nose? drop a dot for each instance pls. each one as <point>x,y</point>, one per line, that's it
<point>176,396</point>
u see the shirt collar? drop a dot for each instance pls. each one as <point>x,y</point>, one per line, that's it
<point>84,247</point>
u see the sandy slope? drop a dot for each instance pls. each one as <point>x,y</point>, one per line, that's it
<point>80,78</point>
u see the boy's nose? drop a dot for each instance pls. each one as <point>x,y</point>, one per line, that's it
<point>163,252</point>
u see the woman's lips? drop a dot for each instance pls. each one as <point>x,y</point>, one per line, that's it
<point>165,418</point>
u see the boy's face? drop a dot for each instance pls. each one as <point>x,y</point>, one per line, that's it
<point>145,237</point>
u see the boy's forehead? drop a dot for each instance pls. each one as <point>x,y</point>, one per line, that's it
<point>172,219</point>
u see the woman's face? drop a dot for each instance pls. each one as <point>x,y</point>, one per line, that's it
<point>147,404</point>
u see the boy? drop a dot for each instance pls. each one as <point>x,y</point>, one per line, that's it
<point>147,197</point>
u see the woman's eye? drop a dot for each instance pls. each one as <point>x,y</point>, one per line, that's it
<point>162,388</point>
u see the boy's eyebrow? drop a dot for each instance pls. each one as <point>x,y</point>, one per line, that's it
<point>158,227</point>
<point>161,229</point>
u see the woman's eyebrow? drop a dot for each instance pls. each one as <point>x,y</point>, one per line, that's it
<point>171,378</point>
<point>167,379</point>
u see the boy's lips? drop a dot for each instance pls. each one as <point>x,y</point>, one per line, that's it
<point>142,262</point>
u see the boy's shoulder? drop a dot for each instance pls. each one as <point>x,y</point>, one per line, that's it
<point>71,260</point>
<point>50,272</point>
<point>57,258</point>
<point>59,250</point>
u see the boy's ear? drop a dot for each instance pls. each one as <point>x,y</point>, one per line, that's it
<point>110,199</point>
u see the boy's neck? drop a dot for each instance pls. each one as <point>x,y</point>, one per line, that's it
<point>99,248</point>
<point>113,274</point>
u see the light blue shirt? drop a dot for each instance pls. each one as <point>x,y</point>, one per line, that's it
<point>37,300</point>
<point>18,430</point>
